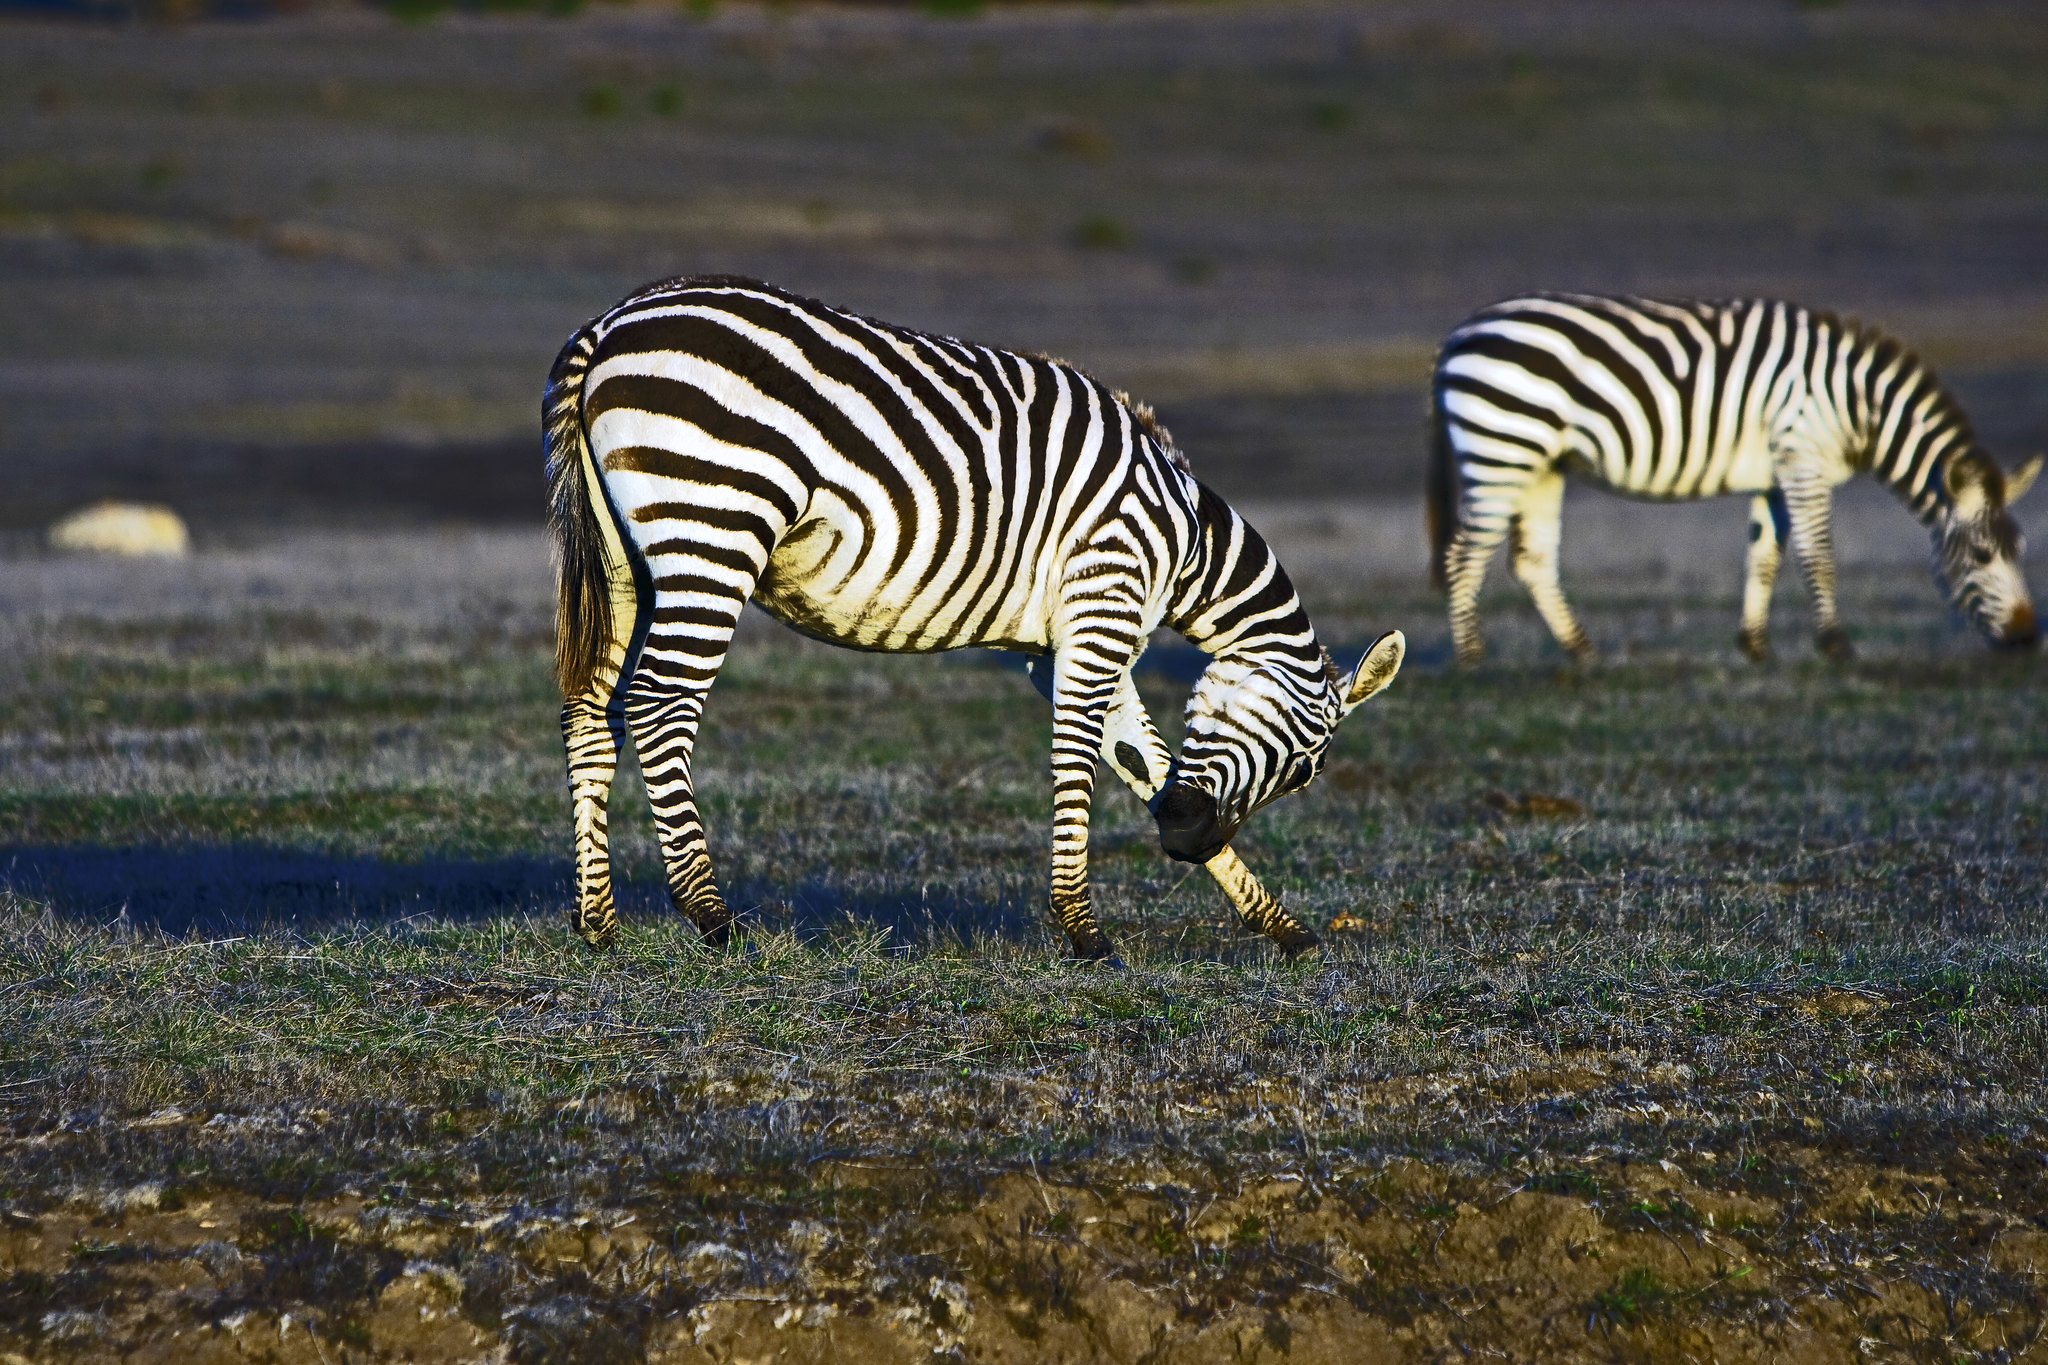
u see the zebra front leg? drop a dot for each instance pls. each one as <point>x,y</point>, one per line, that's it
<point>1132,746</point>
<point>1809,507</point>
<point>1084,686</point>
<point>1258,907</point>
<point>1767,531</point>
<point>590,732</point>
<point>1538,530</point>
<point>1134,750</point>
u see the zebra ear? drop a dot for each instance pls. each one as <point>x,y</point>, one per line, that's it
<point>2020,480</point>
<point>1381,662</point>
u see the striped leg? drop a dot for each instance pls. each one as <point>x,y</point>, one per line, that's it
<point>1132,747</point>
<point>665,732</point>
<point>697,606</point>
<point>1809,507</point>
<point>1091,659</point>
<point>1767,533</point>
<point>1484,514</point>
<point>1538,529</point>
<point>1464,573</point>
<point>591,729</point>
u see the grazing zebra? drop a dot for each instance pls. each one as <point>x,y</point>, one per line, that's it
<point>1689,399</point>
<point>715,439</point>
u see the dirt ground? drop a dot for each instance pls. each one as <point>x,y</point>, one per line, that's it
<point>1402,1262</point>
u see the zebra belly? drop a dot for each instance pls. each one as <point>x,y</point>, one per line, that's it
<point>1750,471</point>
<point>814,584</point>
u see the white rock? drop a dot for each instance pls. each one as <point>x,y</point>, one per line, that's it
<point>67,1326</point>
<point>122,528</point>
<point>711,1258</point>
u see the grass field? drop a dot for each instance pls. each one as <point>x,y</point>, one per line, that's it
<point>1674,1009</point>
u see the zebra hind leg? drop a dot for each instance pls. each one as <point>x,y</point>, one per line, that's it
<point>1472,545</point>
<point>1537,532</point>
<point>665,732</point>
<point>590,731</point>
<point>686,643</point>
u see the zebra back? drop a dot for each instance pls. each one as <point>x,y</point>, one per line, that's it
<point>1684,398</point>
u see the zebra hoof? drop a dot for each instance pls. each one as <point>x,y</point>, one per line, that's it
<point>1297,942</point>
<point>598,932</point>
<point>1754,648</point>
<point>1096,949</point>
<point>1834,643</point>
<point>719,933</point>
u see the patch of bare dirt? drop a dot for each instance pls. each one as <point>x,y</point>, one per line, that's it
<point>1408,1260</point>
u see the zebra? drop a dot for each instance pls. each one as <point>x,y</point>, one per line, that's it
<point>713,439</point>
<point>1670,399</point>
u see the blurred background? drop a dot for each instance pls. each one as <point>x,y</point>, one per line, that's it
<point>310,264</point>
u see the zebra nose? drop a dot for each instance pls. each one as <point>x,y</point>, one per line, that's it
<point>2020,632</point>
<point>1188,828</point>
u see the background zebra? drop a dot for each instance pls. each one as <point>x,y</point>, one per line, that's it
<point>713,439</point>
<point>1689,399</point>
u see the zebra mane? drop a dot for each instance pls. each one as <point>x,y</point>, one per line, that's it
<point>1915,470</point>
<point>1149,423</point>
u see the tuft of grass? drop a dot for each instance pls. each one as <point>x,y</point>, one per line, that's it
<point>1633,1296</point>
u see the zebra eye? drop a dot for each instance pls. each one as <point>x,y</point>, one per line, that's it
<point>1981,553</point>
<point>1299,776</point>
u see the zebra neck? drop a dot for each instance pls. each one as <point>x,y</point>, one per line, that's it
<point>1236,601</point>
<point>1912,428</point>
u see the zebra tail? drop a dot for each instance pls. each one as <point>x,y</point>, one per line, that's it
<point>1441,495</point>
<point>583,622</point>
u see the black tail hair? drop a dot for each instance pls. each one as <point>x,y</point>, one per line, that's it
<point>1441,495</point>
<point>583,621</point>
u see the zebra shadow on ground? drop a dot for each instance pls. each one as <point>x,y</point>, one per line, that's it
<point>201,890</point>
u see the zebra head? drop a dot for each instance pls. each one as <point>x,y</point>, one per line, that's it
<point>1978,548</point>
<point>1255,733</point>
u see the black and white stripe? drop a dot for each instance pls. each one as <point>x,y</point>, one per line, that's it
<point>712,440</point>
<point>1692,399</point>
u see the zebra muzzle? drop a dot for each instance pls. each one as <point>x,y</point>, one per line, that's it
<point>1190,827</point>
<point>2020,631</point>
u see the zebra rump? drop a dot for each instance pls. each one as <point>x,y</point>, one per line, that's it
<point>1440,494</point>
